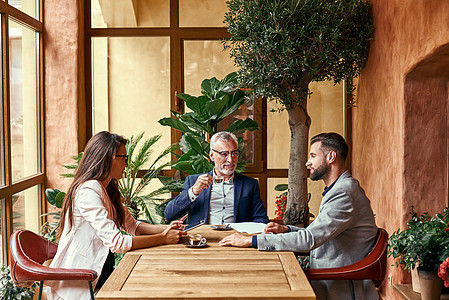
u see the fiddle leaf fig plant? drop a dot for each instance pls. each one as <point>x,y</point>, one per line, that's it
<point>218,100</point>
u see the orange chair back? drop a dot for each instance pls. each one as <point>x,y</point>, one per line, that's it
<point>28,251</point>
<point>373,266</point>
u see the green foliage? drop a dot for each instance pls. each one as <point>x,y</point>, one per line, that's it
<point>304,261</point>
<point>132,187</point>
<point>282,45</point>
<point>219,99</point>
<point>56,198</point>
<point>73,166</point>
<point>9,291</point>
<point>283,187</point>
<point>424,243</point>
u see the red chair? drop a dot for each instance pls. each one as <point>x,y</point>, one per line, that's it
<point>29,251</point>
<point>373,266</point>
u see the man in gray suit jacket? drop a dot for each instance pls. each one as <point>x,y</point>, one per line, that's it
<point>344,231</point>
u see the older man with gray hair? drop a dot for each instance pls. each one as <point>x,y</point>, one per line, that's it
<point>222,195</point>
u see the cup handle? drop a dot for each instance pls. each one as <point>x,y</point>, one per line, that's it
<point>203,241</point>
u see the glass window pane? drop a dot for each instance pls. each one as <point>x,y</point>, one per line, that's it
<point>326,109</point>
<point>125,13</point>
<point>24,99</point>
<point>202,13</point>
<point>204,59</point>
<point>278,137</point>
<point>27,6</point>
<point>131,86</point>
<point>25,207</point>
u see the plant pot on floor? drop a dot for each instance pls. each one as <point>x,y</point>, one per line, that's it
<point>430,285</point>
<point>415,280</point>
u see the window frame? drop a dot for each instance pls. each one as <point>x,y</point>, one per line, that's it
<point>8,12</point>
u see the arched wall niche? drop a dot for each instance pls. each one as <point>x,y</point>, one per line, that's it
<point>426,134</point>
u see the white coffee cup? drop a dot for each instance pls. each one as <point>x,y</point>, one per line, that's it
<point>197,240</point>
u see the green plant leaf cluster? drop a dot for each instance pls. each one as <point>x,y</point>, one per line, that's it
<point>218,100</point>
<point>9,291</point>
<point>73,166</point>
<point>281,45</point>
<point>425,243</point>
<point>56,198</point>
<point>132,187</point>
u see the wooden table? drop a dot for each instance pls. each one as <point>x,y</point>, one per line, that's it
<point>179,272</point>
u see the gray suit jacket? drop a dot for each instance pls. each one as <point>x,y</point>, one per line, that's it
<point>343,233</point>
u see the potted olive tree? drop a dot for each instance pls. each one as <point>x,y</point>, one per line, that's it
<point>280,47</point>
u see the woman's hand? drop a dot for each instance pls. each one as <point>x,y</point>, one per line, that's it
<point>178,225</point>
<point>274,227</point>
<point>172,234</point>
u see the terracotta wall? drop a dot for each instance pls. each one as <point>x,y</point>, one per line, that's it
<point>63,86</point>
<point>400,123</point>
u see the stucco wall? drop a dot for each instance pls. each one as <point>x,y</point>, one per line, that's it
<point>406,32</point>
<point>63,86</point>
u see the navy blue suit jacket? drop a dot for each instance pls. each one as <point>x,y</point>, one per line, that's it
<point>248,207</point>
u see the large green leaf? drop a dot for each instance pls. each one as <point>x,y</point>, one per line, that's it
<point>185,166</point>
<point>212,87</point>
<point>235,101</point>
<point>175,123</point>
<point>216,107</point>
<point>196,104</point>
<point>198,125</point>
<point>201,165</point>
<point>55,197</point>
<point>229,83</point>
<point>281,187</point>
<point>209,86</point>
<point>243,125</point>
<point>194,143</point>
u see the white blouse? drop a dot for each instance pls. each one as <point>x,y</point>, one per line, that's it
<point>87,243</point>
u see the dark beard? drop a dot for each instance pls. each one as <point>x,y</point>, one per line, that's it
<point>319,172</point>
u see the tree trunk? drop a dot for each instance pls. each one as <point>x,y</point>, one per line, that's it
<point>297,210</point>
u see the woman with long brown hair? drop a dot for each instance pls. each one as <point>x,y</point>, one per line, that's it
<point>93,215</point>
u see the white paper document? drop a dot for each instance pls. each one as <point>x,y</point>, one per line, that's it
<point>248,227</point>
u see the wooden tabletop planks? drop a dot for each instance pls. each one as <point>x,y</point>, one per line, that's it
<point>179,272</point>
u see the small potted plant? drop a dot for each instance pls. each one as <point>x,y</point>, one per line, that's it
<point>398,244</point>
<point>424,244</point>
